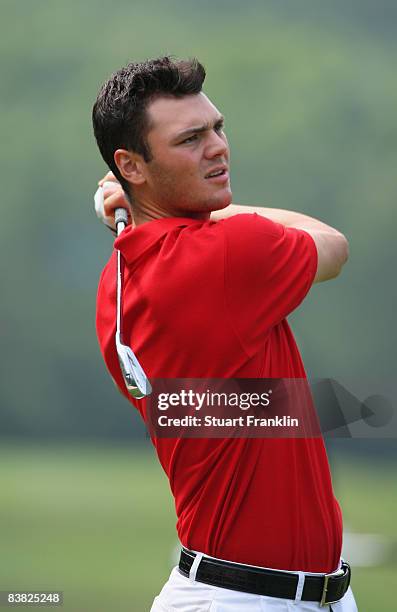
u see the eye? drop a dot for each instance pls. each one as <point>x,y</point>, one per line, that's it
<point>190,139</point>
<point>219,127</point>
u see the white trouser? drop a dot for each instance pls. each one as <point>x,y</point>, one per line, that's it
<point>181,594</point>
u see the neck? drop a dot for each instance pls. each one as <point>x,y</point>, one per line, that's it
<point>143,212</point>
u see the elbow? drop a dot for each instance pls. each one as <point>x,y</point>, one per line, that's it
<point>344,250</point>
<point>333,253</point>
<point>341,254</point>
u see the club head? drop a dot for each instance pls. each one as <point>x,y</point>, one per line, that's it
<point>136,381</point>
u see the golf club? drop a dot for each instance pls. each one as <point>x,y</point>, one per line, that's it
<point>136,381</point>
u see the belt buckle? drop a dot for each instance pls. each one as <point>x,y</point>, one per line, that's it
<point>346,572</point>
<point>324,601</point>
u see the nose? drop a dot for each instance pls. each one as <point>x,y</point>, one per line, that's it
<point>216,146</point>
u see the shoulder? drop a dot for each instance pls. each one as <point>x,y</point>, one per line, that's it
<point>251,231</point>
<point>248,237</point>
<point>252,222</point>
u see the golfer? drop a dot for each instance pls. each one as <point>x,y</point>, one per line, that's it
<point>207,289</point>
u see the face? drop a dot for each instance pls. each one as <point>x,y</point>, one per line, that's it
<point>188,145</point>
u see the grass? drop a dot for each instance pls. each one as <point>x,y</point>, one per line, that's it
<point>86,519</point>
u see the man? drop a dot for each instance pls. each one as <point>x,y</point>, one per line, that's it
<point>207,289</point>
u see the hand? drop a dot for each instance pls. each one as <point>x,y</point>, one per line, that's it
<point>108,197</point>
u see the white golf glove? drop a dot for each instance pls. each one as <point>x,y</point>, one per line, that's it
<point>108,189</point>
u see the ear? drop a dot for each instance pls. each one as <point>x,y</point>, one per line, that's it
<point>130,165</point>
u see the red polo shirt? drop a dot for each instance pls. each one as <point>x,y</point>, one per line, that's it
<point>206,299</point>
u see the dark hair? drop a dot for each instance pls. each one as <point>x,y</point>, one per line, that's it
<point>119,114</point>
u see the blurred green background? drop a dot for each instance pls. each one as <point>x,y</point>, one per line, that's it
<point>309,93</point>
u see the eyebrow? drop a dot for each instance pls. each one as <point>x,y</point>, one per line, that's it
<point>200,128</point>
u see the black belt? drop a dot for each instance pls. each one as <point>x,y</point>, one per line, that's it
<point>324,589</point>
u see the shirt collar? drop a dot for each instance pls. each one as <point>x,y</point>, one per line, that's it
<point>135,241</point>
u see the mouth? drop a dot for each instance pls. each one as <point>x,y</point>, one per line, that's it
<point>218,175</point>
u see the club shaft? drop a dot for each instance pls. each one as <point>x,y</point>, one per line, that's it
<point>119,290</point>
<point>120,220</point>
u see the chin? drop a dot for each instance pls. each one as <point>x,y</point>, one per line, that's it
<point>222,202</point>
<point>210,204</point>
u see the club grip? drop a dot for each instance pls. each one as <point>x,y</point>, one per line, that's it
<point>120,216</point>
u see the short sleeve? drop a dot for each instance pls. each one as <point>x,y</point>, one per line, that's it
<point>268,271</point>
